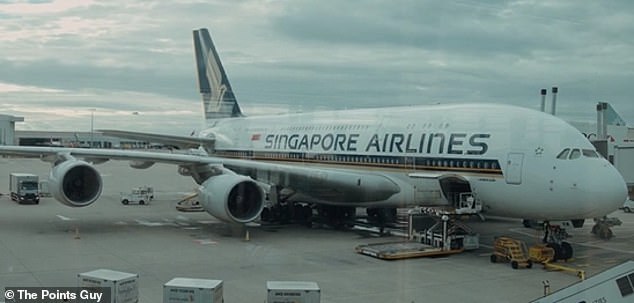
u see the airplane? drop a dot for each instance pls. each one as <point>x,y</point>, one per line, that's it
<point>515,162</point>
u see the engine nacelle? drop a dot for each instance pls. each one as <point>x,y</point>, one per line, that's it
<point>232,198</point>
<point>75,183</point>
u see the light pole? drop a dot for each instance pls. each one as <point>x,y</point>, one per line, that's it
<point>92,126</point>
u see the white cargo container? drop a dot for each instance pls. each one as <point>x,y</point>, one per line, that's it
<point>292,292</point>
<point>180,290</point>
<point>124,287</point>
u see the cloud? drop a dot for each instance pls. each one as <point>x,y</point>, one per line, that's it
<point>12,88</point>
<point>302,55</point>
<point>42,7</point>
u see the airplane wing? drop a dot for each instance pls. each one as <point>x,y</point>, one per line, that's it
<point>181,142</point>
<point>321,184</point>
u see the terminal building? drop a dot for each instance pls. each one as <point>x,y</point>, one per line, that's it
<point>10,136</point>
<point>75,139</point>
<point>7,129</point>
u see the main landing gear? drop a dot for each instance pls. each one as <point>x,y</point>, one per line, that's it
<point>338,217</point>
<point>602,227</point>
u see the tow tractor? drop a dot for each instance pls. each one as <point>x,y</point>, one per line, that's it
<point>507,249</point>
<point>141,195</point>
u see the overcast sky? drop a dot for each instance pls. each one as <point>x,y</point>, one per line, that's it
<point>132,61</point>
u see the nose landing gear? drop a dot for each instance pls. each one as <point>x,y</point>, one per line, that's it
<point>554,237</point>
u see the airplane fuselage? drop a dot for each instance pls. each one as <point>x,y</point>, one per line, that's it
<point>507,155</point>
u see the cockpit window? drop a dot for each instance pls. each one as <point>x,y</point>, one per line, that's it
<point>590,153</point>
<point>575,154</point>
<point>563,154</point>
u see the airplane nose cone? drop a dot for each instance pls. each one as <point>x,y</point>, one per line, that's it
<point>611,191</point>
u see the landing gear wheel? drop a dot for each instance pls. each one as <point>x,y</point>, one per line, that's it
<point>265,215</point>
<point>527,223</point>
<point>566,251</point>
<point>494,259</point>
<point>605,233</point>
<point>557,249</point>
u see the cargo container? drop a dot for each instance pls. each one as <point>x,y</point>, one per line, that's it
<point>24,188</point>
<point>191,290</point>
<point>124,287</point>
<point>292,292</point>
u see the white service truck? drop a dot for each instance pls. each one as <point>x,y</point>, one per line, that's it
<point>24,188</point>
<point>142,195</point>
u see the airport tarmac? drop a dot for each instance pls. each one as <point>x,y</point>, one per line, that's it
<point>49,244</point>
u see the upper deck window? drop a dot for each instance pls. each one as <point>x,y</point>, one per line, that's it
<point>563,154</point>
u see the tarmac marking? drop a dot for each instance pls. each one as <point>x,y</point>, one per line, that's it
<point>587,244</point>
<point>65,218</point>
<point>151,224</point>
<point>205,241</point>
<point>521,232</point>
<point>182,218</point>
<point>486,246</point>
<point>606,248</point>
<point>207,222</point>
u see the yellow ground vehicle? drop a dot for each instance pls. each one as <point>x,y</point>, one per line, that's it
<point>541,253</point>
<point>507,249</point>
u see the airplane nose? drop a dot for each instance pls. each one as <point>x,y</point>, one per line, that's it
<point>612,191</point>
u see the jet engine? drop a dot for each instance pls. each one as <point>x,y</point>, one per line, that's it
<point>75,183</point>
<point>232,198</point>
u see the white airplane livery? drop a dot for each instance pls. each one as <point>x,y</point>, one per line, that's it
<point>513,161</point>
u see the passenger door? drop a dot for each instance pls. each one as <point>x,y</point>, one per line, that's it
<point>514,168</point>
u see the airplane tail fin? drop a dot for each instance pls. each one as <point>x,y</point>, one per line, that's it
<point>218,98</point>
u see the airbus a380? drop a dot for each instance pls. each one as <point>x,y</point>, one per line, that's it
<point>513,161</point>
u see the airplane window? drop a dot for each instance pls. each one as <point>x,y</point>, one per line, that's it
<point>575,154</point>
<point>590,153</point>
<point>563,154</point>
